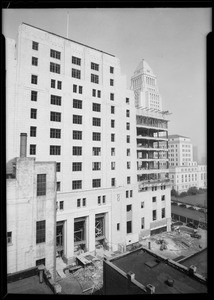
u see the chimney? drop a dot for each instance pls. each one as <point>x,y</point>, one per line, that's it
<point>150,288</point>
<point>23,144</point>
<point>192,269</point>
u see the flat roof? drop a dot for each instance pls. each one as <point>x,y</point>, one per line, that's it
<point>177,136</point>
<point>199,260</point>
<point>29,285</point>
<point>188,213</point>
<point>199,199</point>
<point>149,268</point>
<point>67,39</point>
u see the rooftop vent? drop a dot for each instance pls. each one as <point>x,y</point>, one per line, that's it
<point>150,288</point>
<point>192,269</point>
<point>170,282</point>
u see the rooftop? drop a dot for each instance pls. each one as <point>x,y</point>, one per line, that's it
<point>29,285</point>
<point>67,39</point>
<point>188,213</point>
<point>152,269</point>
<point>199,260</point>
<point>175,136</point>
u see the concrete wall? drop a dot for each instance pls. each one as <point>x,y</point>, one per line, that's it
<point>24,209</point>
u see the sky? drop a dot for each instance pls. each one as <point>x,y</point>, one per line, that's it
<point>171,40</point>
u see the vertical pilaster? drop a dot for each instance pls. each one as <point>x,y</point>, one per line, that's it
<point>69,237</point>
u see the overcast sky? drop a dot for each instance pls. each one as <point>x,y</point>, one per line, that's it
<point>171,40</point>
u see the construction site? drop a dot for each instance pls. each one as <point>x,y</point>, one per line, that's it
<point>85,274</point>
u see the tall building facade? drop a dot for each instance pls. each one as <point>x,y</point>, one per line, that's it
<point>72,102</point>
<point>184,171</point>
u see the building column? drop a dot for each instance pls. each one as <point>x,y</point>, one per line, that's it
<point>69,237</point>
<point>90,232</point>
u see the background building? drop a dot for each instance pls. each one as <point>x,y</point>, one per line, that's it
<point>184,171</point>
<point>72,102</point>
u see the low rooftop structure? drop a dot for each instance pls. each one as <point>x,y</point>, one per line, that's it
<point>144,272</point>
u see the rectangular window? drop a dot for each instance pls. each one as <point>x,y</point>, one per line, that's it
<point>96,183</point>
<point>163,213</point>
<point>96,121</point>
<point>128,180</point>
<point>112,109</point>
<point>59,85</point>
<point>113,165</point>
<point>142,223</point>
<point>94,78</point>
<point>127,126</point>
<point>56,100</point>
<point>35,46</point>
<point>77,150</point>
<point>128,164</point>
<point>113,182</point>
<point>154,199</point>
<point>84,202</point>
<point>128,152</point>
<point>142,204</point>
<point>34,61</point>
<point>128,113</point>
<point>118,226</point>
<point>77,135</point>
<point>96,166</point>
<point>41,184</point>
<point>33,113</point>
<point>94,66</point>
<point>93,93</point>
<point>55,116</point>
<point>33,96</point>
<point>40,232</point>
<point>127,194</point>
<point>163,197</point>
<point>76,60</point>
<point>32,131</point>
<point>78,202</point>
<point>99,94</point>
<point>96,107</point>
<point>77,103</point>
<point>127,100</point>
<point>74,88</point>
<point>58,186</point>
<point>54,68</point>
<point>55,54</point>
<point>129,227</point>
<point>112,123</point>
<point>131,193</point>
<point>128,138</point>
<point>104,199</point>
<point>96,136</point>
<point>96,151</point>
<point>154,215</point>
<point>99,200</point>
<point>112,137</point>
<point>58,167</point>
<point>34,79</point>
<point>32,149</point>
<point>77,119</point>
<point>55,150</point>
<point>111,96</point>
<point>61,205</point>
<point>112,151</point>
<point>76,73</point>
<point>111,70</point>
<point>53,83</point>
<point>77,166</point>
<point>9,237</point>
<point>80,89</point>
<point>111,82</point>
<point>76,184</point>
<point>55,133</point>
